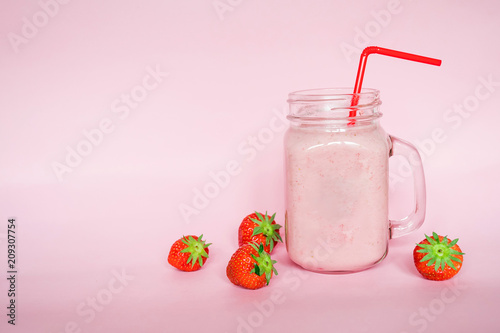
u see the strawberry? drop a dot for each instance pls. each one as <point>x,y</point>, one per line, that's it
<point>188,253</point>
<point>251,267</point>
<point>261,230</point>
<point>443,256</point>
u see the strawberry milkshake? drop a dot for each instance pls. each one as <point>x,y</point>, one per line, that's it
<point>336,184</point>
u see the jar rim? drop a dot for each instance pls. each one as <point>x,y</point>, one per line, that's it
<point>334,105</point>
<point>332,94</point>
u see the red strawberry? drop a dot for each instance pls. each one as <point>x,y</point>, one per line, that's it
<point>260,230</point>
<point>251,267</point>
<point>444,257</point>
<point>188,253</point>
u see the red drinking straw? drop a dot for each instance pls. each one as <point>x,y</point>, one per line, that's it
<point>391,53</point>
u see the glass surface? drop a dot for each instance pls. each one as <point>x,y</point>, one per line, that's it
<point>337,181</point>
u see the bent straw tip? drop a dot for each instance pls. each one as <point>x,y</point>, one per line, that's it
<point>398,54</point>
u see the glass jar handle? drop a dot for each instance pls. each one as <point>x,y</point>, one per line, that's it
<point>413,221</point>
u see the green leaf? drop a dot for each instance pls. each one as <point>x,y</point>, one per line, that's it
<point>453,242</point>
<point>254,246</point>
<point>190,259</point>
<point>438,263</point>
<point>256,270</point>
<point>430,240</point>
<point>427,257</point>
<point>273,268</point>
<point>259,215</point>
<point>450,263</point>
<point>443,264</point>
<point>426,248</point>
<point>431,262</point>
<point>257,230</point>
<point>268,277</point>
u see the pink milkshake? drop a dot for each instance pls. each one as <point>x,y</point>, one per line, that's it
<point>337,181</point>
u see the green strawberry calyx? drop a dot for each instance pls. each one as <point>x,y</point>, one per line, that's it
<point>264,264</point>
<point>266,227</point>
<point>439,252</point>
<point>196,249</point>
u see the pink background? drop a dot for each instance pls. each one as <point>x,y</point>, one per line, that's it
<point>64,72</point>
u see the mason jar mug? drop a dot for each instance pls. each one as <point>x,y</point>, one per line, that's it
<point>337,181</point>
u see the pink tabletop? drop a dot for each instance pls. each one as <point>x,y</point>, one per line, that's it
<point>127,124</point>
